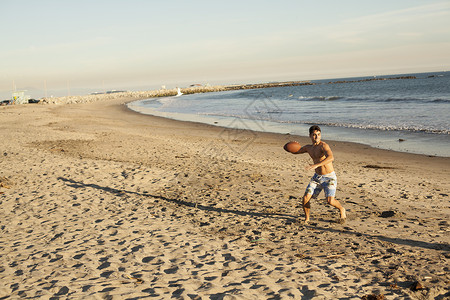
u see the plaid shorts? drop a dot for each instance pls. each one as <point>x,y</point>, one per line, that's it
<point>327,182</point>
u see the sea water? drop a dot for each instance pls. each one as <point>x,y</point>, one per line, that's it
<point>389,112</point>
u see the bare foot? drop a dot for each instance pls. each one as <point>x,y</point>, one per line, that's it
<point>343,216</point>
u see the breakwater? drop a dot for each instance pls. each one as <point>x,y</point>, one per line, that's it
<point>164,92</point>
<point>373,79</point>
<point>192,90</point>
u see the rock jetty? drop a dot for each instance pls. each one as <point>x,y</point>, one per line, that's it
<point>165,92</point>
<point>192,90</point>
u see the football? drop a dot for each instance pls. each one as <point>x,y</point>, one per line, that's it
<point>292,147</point>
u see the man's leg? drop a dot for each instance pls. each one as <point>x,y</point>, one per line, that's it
<point>333,202</point>
<point>306,206</point>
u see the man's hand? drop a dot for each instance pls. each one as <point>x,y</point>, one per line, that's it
<point>310,167</point>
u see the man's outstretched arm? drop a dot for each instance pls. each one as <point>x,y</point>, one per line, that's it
<point>303,149</point>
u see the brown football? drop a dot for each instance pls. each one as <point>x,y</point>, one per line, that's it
<point>292,147</point>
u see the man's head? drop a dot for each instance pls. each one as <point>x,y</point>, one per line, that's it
<point>314,128</point>
<point>315,134</point>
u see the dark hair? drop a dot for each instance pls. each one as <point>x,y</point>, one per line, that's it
<point>314,128</point>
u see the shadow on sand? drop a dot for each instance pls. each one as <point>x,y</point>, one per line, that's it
<point>288,218</point>
<point>77,184</point>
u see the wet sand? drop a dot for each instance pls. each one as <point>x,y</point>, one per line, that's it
<point>99,201</point>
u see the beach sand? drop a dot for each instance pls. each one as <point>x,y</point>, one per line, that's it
<point>97,201</point>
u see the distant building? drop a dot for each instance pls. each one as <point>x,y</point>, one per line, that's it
<point>108,92</point>
<point>115,91</point>
<point>19,97</point>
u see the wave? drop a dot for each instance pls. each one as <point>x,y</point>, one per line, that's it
<point>321,98</point>
<point>441,101</point>
<point>379,127</point>
<point>388,127</point>
<point>423,100</point>
<point>374,99</point>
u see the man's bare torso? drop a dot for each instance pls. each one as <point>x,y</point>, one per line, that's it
<point>318,154</point>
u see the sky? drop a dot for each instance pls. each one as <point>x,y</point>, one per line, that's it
<point>65,47</point>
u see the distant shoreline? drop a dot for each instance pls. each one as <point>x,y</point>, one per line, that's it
<point>137,95</point>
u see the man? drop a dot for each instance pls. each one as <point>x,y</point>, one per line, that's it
<point>324,176</point>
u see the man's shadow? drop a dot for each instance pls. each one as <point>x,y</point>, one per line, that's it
<point>78,184</point>
<point>289,218</point>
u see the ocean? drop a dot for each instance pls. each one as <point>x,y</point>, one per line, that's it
<point>406,112</point>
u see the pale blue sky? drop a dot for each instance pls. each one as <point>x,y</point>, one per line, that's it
<point>82,46</point>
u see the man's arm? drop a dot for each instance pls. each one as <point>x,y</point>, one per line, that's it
<point>303,149</point>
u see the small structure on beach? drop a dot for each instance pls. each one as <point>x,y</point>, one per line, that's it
<point>19,97</point>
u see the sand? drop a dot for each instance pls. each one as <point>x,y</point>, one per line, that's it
<point>97,201</point>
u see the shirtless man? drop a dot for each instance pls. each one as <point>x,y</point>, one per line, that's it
<point>324,176</point>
